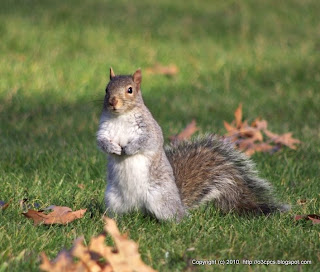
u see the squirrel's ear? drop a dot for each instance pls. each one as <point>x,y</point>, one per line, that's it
<point>137,77</point>
<point>112,75</point>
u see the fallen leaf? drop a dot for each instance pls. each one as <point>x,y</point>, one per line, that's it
<point>83,253</point>
<point>246,138</point>
<point>190,129</point>
<point>97,257</point>
<point>229,127</point>
<point>249,138</point>
<point>251,133</point>
<point>314,218</point>
<point>264,147</point>
<point>259,124</point>
<point>244,144</point>
<point>284,139</point>
<point>261,147</point>
<point>159,69</point>
<point>270,134</point>
<point>63,262</point>
<point>4,205</point>
<point>60,215</point>
<point>238,116</point>
<point>300,217</point>
<point>127,250</point>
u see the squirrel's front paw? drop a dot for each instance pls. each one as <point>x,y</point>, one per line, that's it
<point>115,149</point>
<point>109,146</point>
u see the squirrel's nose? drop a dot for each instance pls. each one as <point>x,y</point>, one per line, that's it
<point>113,101</point>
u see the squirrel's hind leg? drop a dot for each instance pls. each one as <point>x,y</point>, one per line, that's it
<point>165,204</point>
<point>114,202</point>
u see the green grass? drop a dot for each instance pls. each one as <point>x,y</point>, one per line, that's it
<point>54,60</point>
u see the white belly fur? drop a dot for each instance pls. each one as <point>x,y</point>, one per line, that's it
<point>130,175</point>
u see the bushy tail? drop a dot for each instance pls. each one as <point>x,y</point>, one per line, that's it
<point>210,169</point>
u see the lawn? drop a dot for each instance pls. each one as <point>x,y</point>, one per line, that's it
<point>54,61</point>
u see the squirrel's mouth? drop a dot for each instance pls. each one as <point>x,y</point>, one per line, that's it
<point>113,109</point>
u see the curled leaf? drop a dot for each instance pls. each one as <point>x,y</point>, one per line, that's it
<point>314,218</point>
<point>249,138</point>
<point>60,215</point>
<point>63,262</point>
<point>284,139</point>
<point>97,257</point>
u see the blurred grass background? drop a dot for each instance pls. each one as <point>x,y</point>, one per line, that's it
<point>54,61</point>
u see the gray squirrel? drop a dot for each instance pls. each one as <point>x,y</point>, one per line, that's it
<point>169,182</point>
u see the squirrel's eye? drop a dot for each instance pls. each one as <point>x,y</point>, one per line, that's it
<point>129,90</point>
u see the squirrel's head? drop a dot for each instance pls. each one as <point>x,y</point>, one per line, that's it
<point>123,92</point>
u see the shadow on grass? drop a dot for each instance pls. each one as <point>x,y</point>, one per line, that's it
<point>286,91</point>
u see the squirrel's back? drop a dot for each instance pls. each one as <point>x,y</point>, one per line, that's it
<point>211,169</point>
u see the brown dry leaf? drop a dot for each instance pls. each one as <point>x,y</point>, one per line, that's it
<point>231,129</point>
<point>159,69</point>
<point>245,139</point>
<point>249,138</point>
<point>238,116</point>
<point>263,147</point>
<point>4,205</point>
<point>98,257</point>
<point>85,256</point>
<point>99,250</point>
<point>251,133</point>
<point>270,134</point>
<point>244,144</point>
<point>259,124</point>
<point>185,134</point>
<point>60,215</point>
<point>128,257</point>
<point>63,262</point>
<point>314,218</point>
<point>258,135</point>
<point>260,147</point>
<point>284,139</point>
